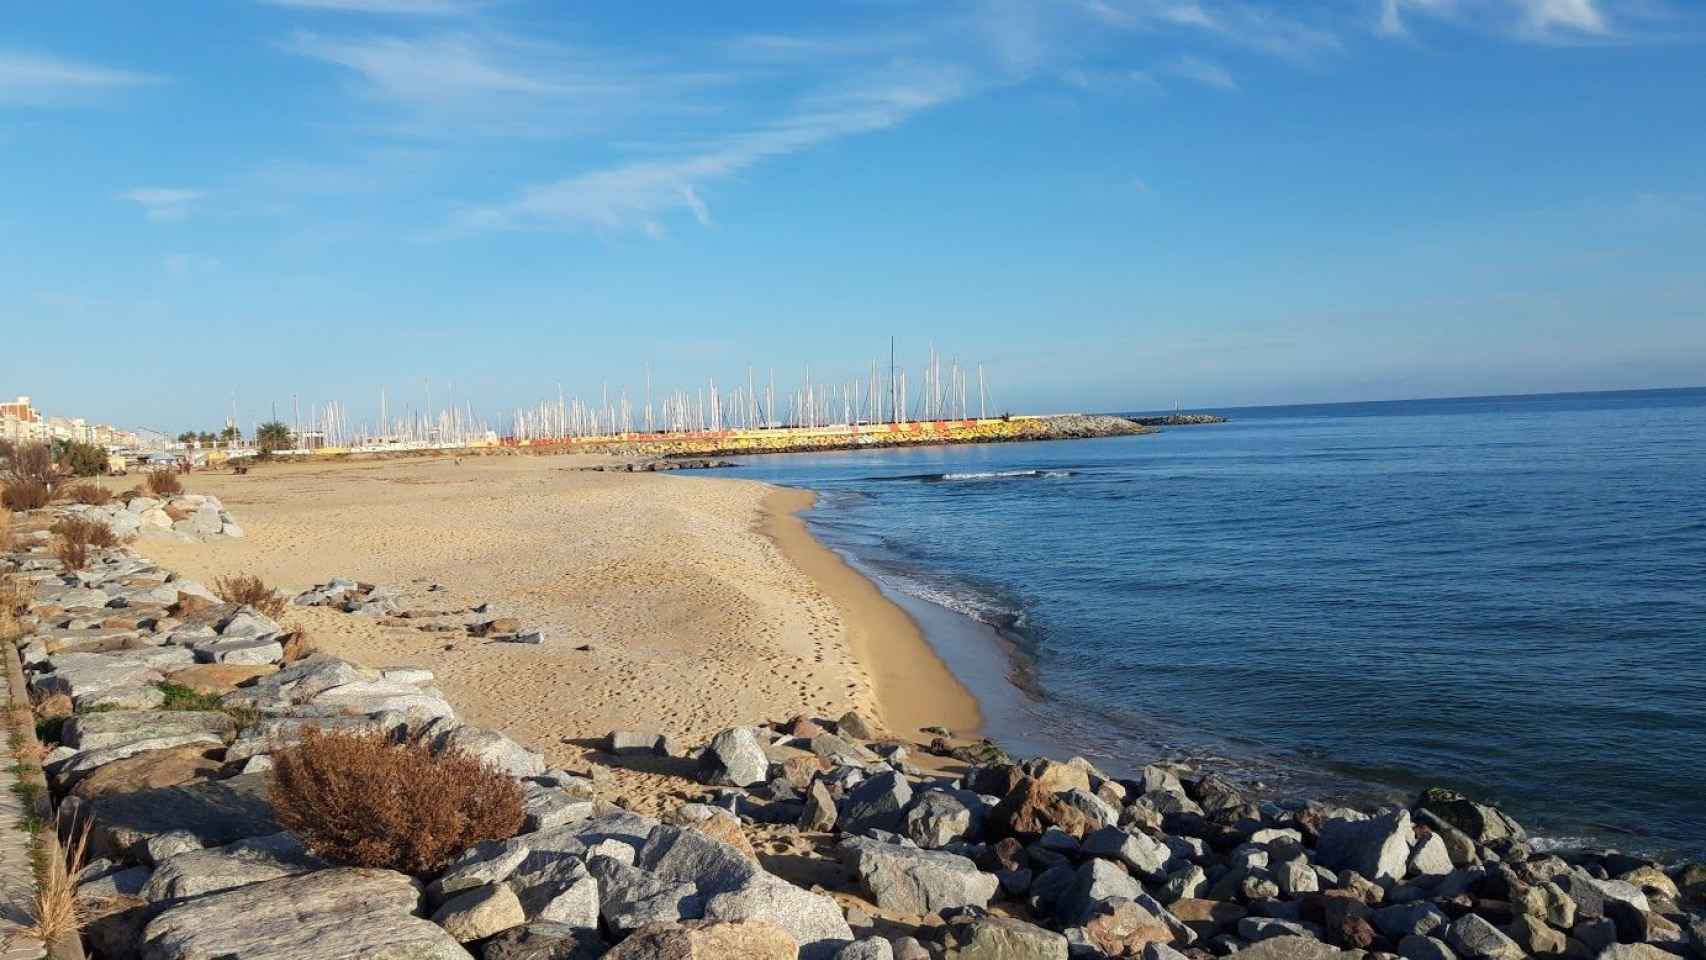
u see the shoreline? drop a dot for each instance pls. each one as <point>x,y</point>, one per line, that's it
<point>912,685</point>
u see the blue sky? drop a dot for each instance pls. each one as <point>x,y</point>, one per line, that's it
<point>1111,204</point>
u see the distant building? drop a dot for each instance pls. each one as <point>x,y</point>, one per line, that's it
<point>21,423</point>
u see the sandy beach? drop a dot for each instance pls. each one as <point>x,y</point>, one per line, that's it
<point>704,601</point>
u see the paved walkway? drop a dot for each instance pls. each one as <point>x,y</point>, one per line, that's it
<point>17,876</point>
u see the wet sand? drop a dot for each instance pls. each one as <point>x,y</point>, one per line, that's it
<point>704,601</point>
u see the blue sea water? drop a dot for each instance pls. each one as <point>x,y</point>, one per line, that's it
<point>1506,595</point>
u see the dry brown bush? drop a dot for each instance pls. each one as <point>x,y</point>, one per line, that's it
<point>92,532</point>
<point>13,601</point>
<point>20,494</point>
<point>31,463</point>
<point>90,493</point>
<point>164,483</point>
<point>73,554</point>
<point>251,591</point>
<point>361,800</point>
<point>55,914</point>
<point>7,541</point>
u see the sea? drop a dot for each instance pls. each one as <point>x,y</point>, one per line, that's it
<point>1501,595</point>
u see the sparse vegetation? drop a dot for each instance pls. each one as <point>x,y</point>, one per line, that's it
<point>92,494</point>
<point>13,601</point>
<point>361,800</point>
<point>180,697</point>
<point>6,538</point>
<point>73,554</point>
<point>32,463</point>
<point>272,436</point>
<point>17,494</point>
<point>56,915</point>
<point>81,459</point>
<point>164,483</point>
<point>250,591</point>
<point>75,539</point>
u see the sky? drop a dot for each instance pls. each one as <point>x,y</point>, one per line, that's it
<point>1108,204</point>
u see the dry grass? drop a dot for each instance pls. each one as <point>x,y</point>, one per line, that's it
<point>250,591</point>
<point>8,542</point>
<point>55,913</point>
<point>92,532</point>
<point>21,494</point>
<point>92,494</point>
<point>164,483</point>
<point>72,554</point>
<point>31,463</point>
<point>13,601</point>
<point>361,800</point>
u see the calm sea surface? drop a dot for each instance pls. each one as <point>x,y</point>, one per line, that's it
<point>1507,595</point>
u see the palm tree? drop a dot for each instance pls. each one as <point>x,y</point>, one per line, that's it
<point>273,435</point>
<point>230,433</point>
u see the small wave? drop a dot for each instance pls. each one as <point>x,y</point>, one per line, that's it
<point>983,609</point>
<point>1004,475</point>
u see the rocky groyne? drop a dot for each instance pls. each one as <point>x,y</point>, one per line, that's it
<point>163,709</point>
<point>1179,420</point>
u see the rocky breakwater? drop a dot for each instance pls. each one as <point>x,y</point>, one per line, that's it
<point>814,838</point>
<point>189,516</point>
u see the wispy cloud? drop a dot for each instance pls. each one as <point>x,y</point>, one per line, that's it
<point>458,82</point>
<point>32,79</point>
<point>1533,21</point>
<point>1198,70</point>
<point>409,8</point>
<point>633,196</point>
<point>164,203</point>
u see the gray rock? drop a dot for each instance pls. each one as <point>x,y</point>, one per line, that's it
<point>96,731</point>
<point>76,767</point>
<point>1289,948</point>
<point>937,818</point>
<point>546,807</point>
<point>253,651</point>
<point>1001,938</point>
<point>1424,948</point>
<point>1430,858</point>
<point>479,913</point>
<point>1410,919</point>
<point>819,814</point>
<point>876,804</point>
<point>145,824</point>
<point>632,743</point>
<point>256,860</point>
<point>114,884</point>
<point>1634,951</point>
<point>545,941</point>
<point>99,679</point>
<point>1295,876</point>
<point>630,898</point>
<point>1594,897</point>
<point>1473,936</point>
<point>1257,929</point>
<point>1141,854</point>
<point>493,749</point>
<point>1185,883</point>
<point>735,758</point>
<point>870,948</point>
<point>1377,848</point>
<point>686,855</point>
<point>278,733</point>
<point>328,913</point>
<point>481,865</point>
<point>916,882</point>
<point>1094,881</point>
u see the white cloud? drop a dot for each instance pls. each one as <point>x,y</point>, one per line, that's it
<point>1545,16</point>
<point>39,79</point>
<point>1198,70</point>
<point>634,195</point>
<point>164,203</point>
<point>418,8</point>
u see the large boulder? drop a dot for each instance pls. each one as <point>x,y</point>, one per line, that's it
<point>1030,808</point>
<point>1377,848</point>
<point>151,770</point>
<point>329,913</point>
<point>1472,936</point>
<point>99,731</point>
<point>735,758</point>
<point>707,940</point>
<point>1140,853</point>
<point>937,818</point>
<point>1001,938</point>
<point>256,860</point>
<point>477,914</point>
<point>916,882</point>
<point>1482,823</point>
<point>545,941</point>
<point>494,750</point>
<point>1290,948</point>
<point>149,825</point>
<point>876,804</point>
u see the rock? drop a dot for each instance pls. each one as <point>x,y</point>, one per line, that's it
<point>203,813</point>
<point>1430,858</point>
<point>151,770</point>
<point>916,882</point>
<point>1377,848</point>
<point>329,913</point>
<point>1409,919</point>
<point>876,804</point>
<point>1186,883</point>
<point>98,679</point>
<point>1093,881</point>
<point>481,865</point>
<point>545,941</point>
<point>716,823</point>
<point>1534,936</point>
<point>1547,901</point>
<point>1122,928</point>
<point>819,815</point>
<point>852,724</point>
<point>1142,855</point>
<point>630,898</point>
<point>115,884</point>
<point>735,758</point>
<point>1472,936</point>
<point>1295,877</point>
<point>477,914</point>
<point>1289,948</point>
<point>937,818</point>
<point>255,860</point>
<point>1634,951</point>
<point>628,743</point>
<point>1001,938</point>
<point>493,749</point>
<point>707,940</point>
<point>1424,948</point>
<point>75,767</point>
<point>97,731</point>
<point>870,948</point>
<point>1481,823</point>
<point>1029,809</point>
